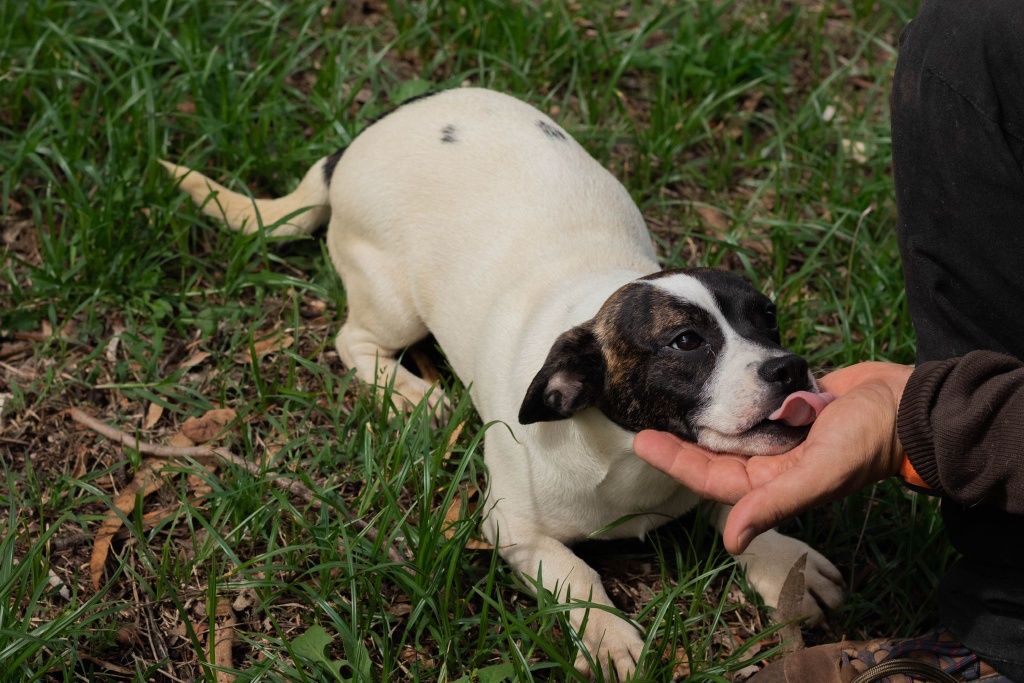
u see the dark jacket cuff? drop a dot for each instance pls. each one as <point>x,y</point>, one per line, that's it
<point>913,421</point>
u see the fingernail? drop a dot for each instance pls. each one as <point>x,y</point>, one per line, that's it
<point>744,539</point>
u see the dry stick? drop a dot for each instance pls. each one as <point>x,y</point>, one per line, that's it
<point>209,453</point>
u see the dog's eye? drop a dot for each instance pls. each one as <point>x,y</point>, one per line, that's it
<point>770,314</point>
<point>687,341</point>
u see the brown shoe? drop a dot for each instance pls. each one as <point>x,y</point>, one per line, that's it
<point>933,658</point>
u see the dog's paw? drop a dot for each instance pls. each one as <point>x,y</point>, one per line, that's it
<point>768,561</point>
<point>613,644</point>
<point>412,391</point>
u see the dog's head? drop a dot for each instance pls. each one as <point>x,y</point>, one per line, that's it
<point>692,352</point>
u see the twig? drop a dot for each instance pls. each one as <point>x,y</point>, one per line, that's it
<point>208,453</point>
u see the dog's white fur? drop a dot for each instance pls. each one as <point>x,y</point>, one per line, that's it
<point>497,243</point>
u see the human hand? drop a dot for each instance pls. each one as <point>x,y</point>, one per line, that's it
<point>852,444</point>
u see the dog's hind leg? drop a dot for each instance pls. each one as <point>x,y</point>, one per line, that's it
<point>381,321</point>
<point>376,363</point>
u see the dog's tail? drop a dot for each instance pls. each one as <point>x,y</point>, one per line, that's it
<point>298,213</point>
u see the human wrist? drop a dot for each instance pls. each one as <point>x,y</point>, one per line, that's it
<point>914,429</point>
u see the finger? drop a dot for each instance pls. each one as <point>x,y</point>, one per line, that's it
<point>709,475</point>
<point>785,496</point>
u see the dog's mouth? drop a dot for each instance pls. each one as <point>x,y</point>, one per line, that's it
<point>776,431</point>
<point>801,408</point>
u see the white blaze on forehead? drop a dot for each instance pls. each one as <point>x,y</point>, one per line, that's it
<point>734,396</point>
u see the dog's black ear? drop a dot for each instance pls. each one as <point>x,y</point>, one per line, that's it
<point>571,379</point>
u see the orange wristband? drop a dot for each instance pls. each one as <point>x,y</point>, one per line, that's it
<point>910,475</point>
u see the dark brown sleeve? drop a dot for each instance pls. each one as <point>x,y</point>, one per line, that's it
<point>961,422</point>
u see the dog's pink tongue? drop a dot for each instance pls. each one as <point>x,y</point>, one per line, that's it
<point>801,408</point>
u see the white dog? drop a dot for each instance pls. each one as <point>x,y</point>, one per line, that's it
<point>473,216</point>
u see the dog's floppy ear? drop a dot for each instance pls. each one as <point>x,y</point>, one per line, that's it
<point>571,379</point>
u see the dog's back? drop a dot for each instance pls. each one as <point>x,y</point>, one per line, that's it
<point>448,207</point>
<point>480,197</point>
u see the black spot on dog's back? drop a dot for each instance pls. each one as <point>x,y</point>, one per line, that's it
<point>448,134</point>
<point>551,131</point>
<point>329,165</point>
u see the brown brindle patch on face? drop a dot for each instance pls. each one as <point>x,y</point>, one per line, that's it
<point>647,383</point>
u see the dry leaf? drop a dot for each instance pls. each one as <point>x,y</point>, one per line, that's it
<point>146,480</point>
<point>179,440</point>
<point>452,517</point>
<point>198,485</point>
<point>714,219</point>
<point>114,342</point>
<point>450,448</point>
<point>682,665</point>
<point>747,672</point>
<point>791,601</point>
<point>245,599</point>
<point>221,640</point>
<point>262,347</point>
<point>153,415</point>
<point>4,398</point>
<point>193,360</point>
<point>79,470</point>
<point>58,583</point>
<point>400,609</point>
<point>208,426</point>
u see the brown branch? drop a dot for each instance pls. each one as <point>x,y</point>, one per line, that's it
<point>209,453</point>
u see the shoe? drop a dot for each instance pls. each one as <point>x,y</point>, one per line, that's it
<point>936,657</point>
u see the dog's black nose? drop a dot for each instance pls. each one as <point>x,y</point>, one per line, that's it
<point>788,371</point>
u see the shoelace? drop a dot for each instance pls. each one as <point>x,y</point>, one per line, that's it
<point>907,667</point>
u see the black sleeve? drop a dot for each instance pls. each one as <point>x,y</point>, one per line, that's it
<point>961,423</point>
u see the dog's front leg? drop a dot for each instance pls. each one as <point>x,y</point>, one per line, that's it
<point>768,560</point>
<point>614,643</point>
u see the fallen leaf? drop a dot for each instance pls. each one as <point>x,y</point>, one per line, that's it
<point>179,440</point>
<point>153,415</point>
<point>747,672</point>
<point>681,664</point>
<point>450,448</point>
<point>193,360</point>
<point>244,600</point>
<point>186,107</point>
<point>58,583</point>
<point>400,609</point>
<point>8,351</point>
<point>262,347</point>
<point>454,516</point>
<point>714,219</point>
<point>128,635</point>
<point>115,341</point>
<point>208,426</point>
<point>198,485</point>
<point>146,480</point>
<point>81,452</point>
<point>4,399</point>
<point>791,601</point>
<point>220,641</point>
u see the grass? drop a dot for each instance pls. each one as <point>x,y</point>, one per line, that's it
<point>753,135</point>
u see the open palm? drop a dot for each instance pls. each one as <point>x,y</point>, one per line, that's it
<point>852,444</point>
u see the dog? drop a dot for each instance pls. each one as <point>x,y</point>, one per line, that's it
<point>473,216</point>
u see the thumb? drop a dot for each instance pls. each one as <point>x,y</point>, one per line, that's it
<point>768,505</point>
